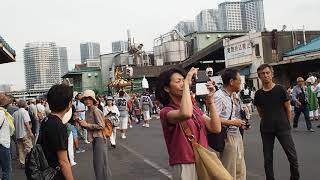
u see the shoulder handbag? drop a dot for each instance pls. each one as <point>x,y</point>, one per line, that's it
<point>36,165</point>
<point>107,130</point>
<point>208,165</point>
<point>217,141</point>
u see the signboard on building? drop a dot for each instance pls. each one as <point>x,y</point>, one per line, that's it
<point>237,50</point>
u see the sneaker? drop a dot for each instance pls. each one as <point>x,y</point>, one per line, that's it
<point>87,142</point>
<point>147,125</point>
<point>80,150</point>
<point>311,130</point>
<point>113,146</point>
<point>130,126</point>
<point>143,125</point>
<point>318,126</point>
<point>136,120</point>
<point>73,163</point>
<point>123,136</point>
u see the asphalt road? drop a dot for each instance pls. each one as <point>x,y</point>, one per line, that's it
<point>143,155</point>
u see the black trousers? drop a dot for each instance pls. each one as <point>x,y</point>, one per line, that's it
<point>288,146</point>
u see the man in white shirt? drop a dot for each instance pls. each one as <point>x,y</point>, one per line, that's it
<point>146,106</point>
<point>232,155</point>
<point>5,158</point>
<point>81,112</point>
<point>23,133</point>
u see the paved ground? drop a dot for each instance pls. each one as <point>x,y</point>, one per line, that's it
<point>143,156</point>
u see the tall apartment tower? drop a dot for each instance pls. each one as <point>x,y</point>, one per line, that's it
<point>89,50</point>
<point>119,46</point>
<point>63,59</point>
<point>42,66</point>
<point>207,20</point>
<point>230,15</point>
<point>253,15</point>
<point>185,27</point>
<point>241,15</point>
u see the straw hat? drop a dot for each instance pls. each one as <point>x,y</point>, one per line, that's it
<point>91,94</point>
<point>4,100</point>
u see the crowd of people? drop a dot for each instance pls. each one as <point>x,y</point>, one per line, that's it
<point>229,110</point>
<point>61,120</point>
<point>305,98</point>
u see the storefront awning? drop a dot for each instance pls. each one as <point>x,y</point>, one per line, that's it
<point>244,70</point>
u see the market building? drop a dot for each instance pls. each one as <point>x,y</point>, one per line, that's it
<point>299,62</point>
<point>246,53</point>
<point>84,78</point>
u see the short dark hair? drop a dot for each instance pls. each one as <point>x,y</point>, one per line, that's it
<point>163,81</point>
<point>121,93</point>
<point>228,75</point>
<point>59,96</point>
<point>263,66</point>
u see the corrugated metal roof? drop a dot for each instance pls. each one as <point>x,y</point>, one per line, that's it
<point>312,46</point>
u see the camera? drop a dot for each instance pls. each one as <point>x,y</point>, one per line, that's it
<point>199,87</point>
<point>243,116</point>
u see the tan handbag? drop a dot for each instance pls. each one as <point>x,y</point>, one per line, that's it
<point>208,165</point>
<point>107,130</point>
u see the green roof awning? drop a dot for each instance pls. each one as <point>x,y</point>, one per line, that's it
<point>312,46</point>
<point>71,74</point>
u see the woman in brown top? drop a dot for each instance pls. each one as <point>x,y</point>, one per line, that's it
<point>94,123</point>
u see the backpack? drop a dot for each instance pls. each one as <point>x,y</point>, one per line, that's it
<point>36,164</point>
<point>114,119</point>
<point>37,167</point>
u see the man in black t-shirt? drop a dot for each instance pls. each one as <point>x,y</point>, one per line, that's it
<point>274,108</point>
<point>53,135</point>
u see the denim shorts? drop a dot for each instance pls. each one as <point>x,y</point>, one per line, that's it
<point>74,132</point>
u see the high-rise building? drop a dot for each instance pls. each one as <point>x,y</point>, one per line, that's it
<point>241,15</point>
<point>207,20</point>
<point>119,46</point>
<point>89,50</point>
<point>42,66</point>
<point>253,14</point>
<point>63,60</point>
<point>185,27</point>
<point>230,16</point>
